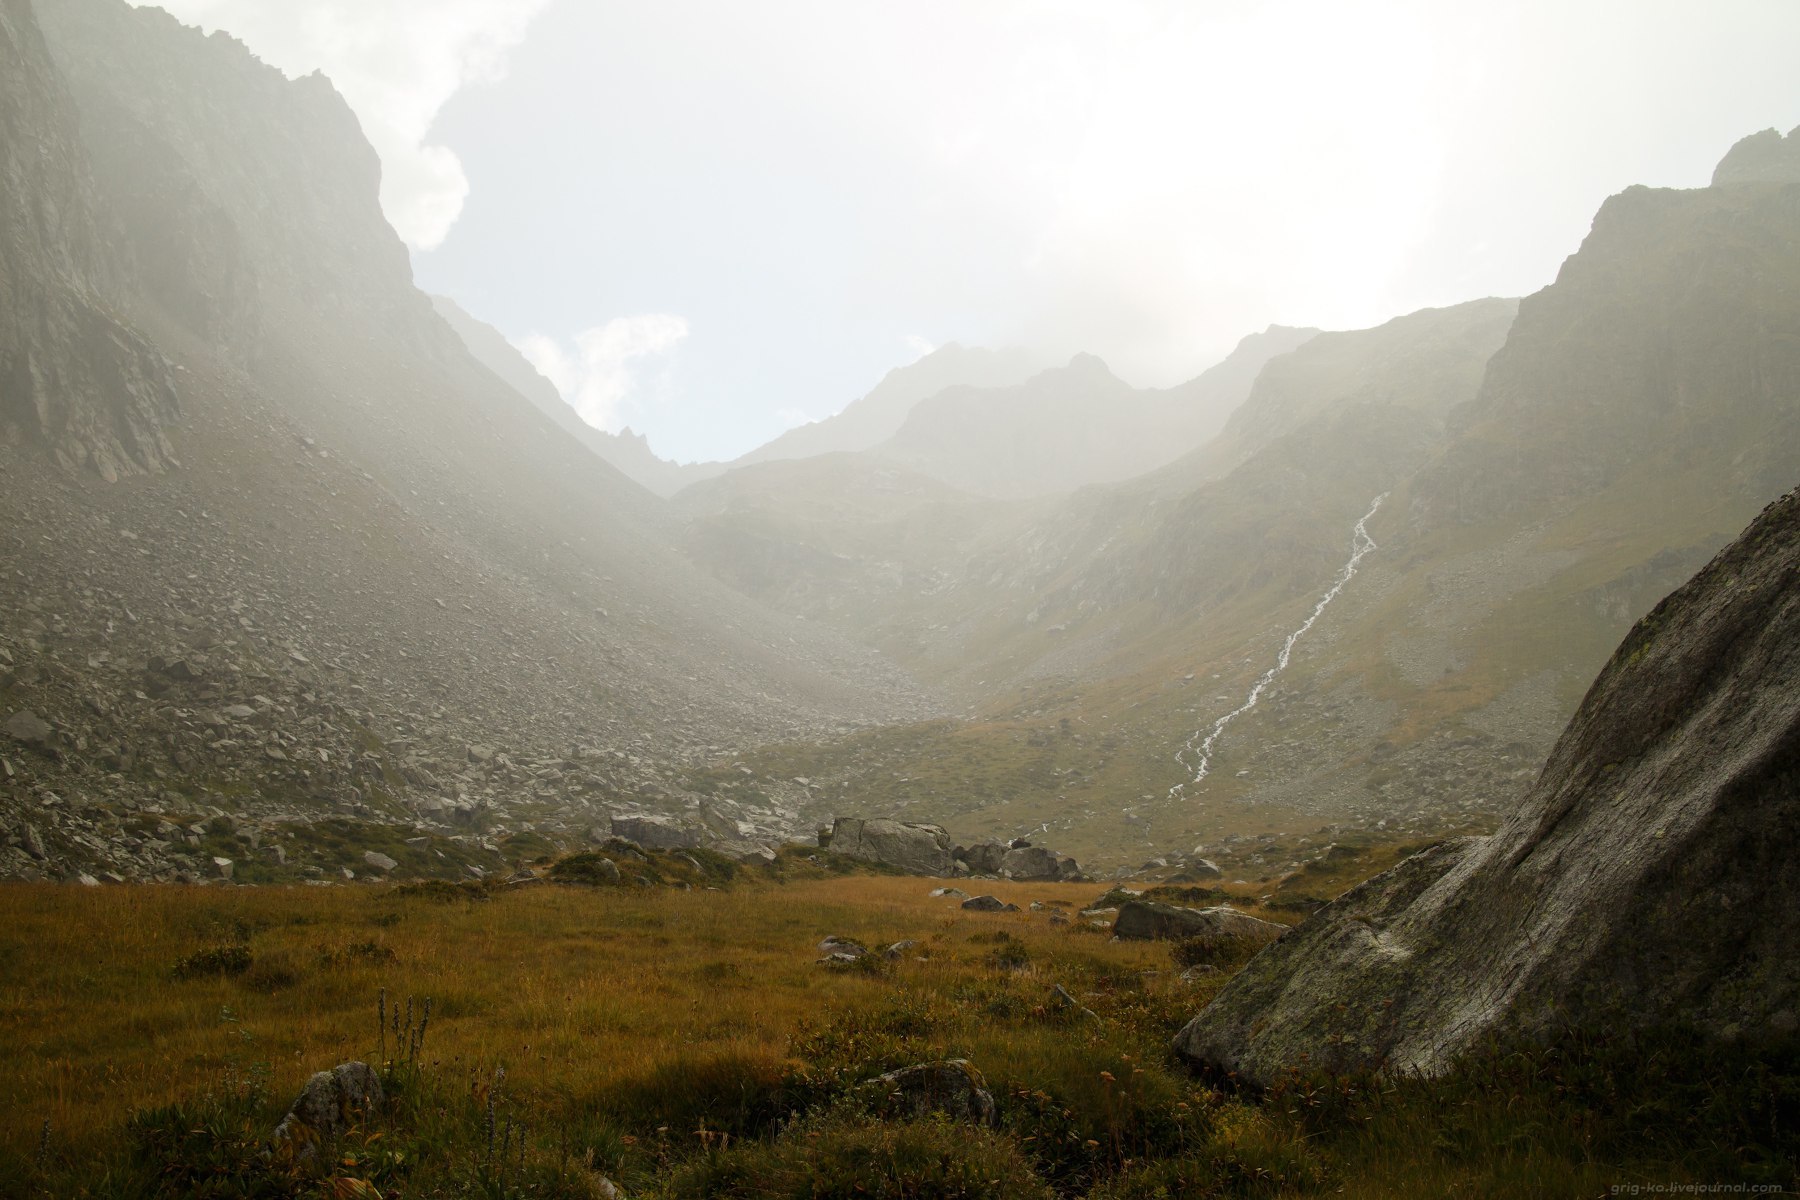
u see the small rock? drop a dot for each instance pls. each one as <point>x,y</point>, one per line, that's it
<point>988,904</point>
<point>898,949</point>
<point>378,860</point>
<point>938,893</point>
<point>330,1103</point>
<point>86,880</point>
<point>1060,998</point>
<point>224,866</point>
<point>837,949</point>
<point>952,1087</point>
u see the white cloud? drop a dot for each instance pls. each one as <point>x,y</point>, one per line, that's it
<point>397,62</point>
<point>598,379</point>
<point>918,345</point>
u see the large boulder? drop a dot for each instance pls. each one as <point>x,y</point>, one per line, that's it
<point>1029,863</point>
<point>984,858</point>
<point>656,833</point>
<point>1650,876</point>
<point>331,1103</point>
<point>919,849</point>
<point>1228,932</point>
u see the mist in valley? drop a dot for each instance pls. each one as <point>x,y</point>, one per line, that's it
<point>1303,490</point>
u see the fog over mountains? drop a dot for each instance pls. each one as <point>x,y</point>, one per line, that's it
<point>287,539</point>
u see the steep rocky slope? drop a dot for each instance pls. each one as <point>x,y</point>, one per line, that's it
<point>1648,877</point>
<point>75,378</point>
<point>374,546</point>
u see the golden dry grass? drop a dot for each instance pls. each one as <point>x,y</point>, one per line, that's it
<point>571,988</point>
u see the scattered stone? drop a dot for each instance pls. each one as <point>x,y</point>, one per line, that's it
<point>899,949</point>
<point>378,860</point>
<point>224,866</point>
<point>940,893</point>
<point>1060,998</point>
<point>988,904</point>
<point>86,880</point>
<point>330,1104</point>
<point>27,727</point>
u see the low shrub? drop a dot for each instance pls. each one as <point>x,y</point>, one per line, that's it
<point>214,961</point>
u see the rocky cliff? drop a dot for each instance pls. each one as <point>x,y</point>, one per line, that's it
<point>1649,876</point>
<point>76,377</point>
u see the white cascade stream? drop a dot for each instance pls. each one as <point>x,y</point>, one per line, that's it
<point>1198,757</point>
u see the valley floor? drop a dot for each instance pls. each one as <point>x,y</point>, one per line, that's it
<point>688,1042</point>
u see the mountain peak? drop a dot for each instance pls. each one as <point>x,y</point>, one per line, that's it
<point>1764,157</point>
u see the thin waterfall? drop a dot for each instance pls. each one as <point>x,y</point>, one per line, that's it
<point>1198,758</point>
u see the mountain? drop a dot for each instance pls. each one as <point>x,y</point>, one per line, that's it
<point>1646,879</point>
<point>74,378</point>
<point>866,422</point>
<point>381,585</point>
<point>628,452</point>
<point>1076,425</point>
<point>1545,472</point>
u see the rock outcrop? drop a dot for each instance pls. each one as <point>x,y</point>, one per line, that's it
<point>1649,877</point>
<point>1225,930</point>
<point>918,849</point>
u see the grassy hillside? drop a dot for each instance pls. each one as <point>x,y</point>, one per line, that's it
<point>686,1043</point>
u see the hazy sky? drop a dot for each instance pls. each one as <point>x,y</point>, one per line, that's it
<point>711,218</point>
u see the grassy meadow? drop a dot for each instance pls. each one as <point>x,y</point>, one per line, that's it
<point>669,1041</point>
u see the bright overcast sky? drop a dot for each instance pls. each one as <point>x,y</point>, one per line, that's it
<point>706,219</point>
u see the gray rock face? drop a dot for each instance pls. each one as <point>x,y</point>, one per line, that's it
<point>331,1102</point>
<point>656,833</point>
<point>1649,876</point>
<point>920,849</point>
<point>952,1087</point>
<point>1229,929</point>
